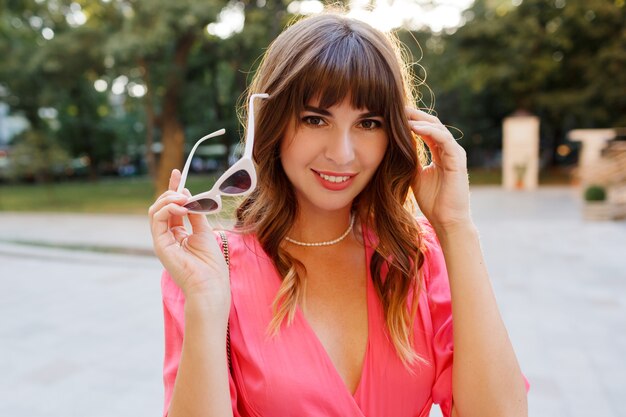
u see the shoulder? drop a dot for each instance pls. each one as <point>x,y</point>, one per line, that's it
<point>239,245</point>
<point>249,265</point>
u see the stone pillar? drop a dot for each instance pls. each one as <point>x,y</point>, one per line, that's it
<point>520,152</point>
<point>592,141</point>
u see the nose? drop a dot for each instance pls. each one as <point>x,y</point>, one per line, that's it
<point>340,147</point>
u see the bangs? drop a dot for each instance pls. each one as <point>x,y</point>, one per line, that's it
<point>349,66</point>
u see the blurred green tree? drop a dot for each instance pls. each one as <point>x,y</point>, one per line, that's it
<point>220,70</point>
<point>52,61</point>
<point>96,76</point>
<point>38,157</point>
<point>154,40</point>
<point>562,60</point>
<point>193,77</point>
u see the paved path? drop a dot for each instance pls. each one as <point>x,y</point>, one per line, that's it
<point>81,330</point>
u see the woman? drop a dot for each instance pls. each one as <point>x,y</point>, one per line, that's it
<point>340,301</point>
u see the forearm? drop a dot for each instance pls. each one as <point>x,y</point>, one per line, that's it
<point>201,387</point>
<point>487,380</point>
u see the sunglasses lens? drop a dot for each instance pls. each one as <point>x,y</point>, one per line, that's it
<point>237,183</point>
<point>205,205</point>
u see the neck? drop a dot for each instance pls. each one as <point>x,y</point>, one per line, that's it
<point>320,226</point>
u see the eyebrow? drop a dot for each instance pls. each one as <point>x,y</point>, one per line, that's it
<point>325,112</point>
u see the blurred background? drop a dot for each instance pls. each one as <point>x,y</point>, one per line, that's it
<point>100,99</point>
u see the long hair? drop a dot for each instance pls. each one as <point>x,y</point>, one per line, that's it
<point>332,57</point>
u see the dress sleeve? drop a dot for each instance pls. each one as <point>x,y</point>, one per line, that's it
<point>174,321</point>
<point>440,304</point>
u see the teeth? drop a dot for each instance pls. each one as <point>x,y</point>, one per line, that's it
<point>332,178</point>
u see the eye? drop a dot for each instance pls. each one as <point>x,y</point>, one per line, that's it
<point>370,124</point>
<point>313,121</point>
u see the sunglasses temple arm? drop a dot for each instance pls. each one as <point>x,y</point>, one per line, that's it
<point>247,153</point>
<point>183,177</point>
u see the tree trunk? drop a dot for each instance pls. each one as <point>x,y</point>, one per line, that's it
<point>173,135</point>
<point>172,151</point>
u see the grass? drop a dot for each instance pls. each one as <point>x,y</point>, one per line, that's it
<point>135,195</point>
<point>118,195</point>
<point>554,176</point>
<point>485,177</point>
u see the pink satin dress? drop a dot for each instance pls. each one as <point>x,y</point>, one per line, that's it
<point>292,375</point>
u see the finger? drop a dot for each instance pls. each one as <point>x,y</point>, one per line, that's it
<point>429,141</point>
<point>433,148</point>
<point>174,180</point>
<point>415,114</point>
<point>435,125</point>
<point>166,194</point>
<point>167,198</point>
<point>442,138</point>
<point>159,225</point>
<point>445,151</point>
<point>162,201</point>
<point>199,223</point>
<point>180,233</point>
<point>177,221</point>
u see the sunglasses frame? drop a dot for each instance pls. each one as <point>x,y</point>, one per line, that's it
<point>244,164</point>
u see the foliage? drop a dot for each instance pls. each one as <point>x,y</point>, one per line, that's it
<point>38,158</point>
<point>595,193</point>
<point>50,80</point>
<point>563,60</point>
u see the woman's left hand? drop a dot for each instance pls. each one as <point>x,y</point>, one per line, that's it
<point>442,187</point>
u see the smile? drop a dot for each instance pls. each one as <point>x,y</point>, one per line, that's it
<point>333,178</point>
<point>335,181</point>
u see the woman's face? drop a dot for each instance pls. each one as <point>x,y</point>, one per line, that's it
<point>331,155</point>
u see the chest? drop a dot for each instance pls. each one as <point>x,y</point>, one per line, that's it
<point>336,309</point>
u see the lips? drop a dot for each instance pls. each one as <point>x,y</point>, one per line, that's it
<point>334,181</point>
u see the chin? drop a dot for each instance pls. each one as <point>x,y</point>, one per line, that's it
<point>329,204</point>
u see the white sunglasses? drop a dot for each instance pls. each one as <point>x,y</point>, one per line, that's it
<point>238,180</point>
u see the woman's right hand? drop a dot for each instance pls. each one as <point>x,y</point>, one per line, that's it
<point>194,260</point>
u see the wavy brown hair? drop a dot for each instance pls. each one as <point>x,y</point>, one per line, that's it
<point>331,57</point>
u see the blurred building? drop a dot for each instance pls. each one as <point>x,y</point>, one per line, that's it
<point>10,125</point>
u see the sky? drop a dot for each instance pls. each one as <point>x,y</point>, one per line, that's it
<point>390,14</point>
<point>386,15</point>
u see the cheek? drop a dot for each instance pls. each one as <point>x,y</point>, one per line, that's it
<point>376,153</point>
<point>293,157</point>
<point>299,150</point>
<point>286,159</point>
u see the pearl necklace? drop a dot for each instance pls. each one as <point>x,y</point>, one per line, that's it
<point>327,243</point>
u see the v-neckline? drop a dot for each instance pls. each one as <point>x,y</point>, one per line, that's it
<point>321,346</point>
